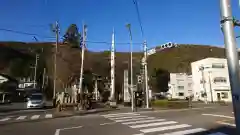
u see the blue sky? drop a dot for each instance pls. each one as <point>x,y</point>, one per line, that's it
<point>179,21</point>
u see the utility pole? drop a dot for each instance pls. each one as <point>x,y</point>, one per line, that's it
<point>96,89</point>
<point>43,79</point>
<point>131,65</point>
<point>35,70</point>
<point>232,56</point>
<point>210,85</point>
<point>146,73</point>
<point>56,30</point>
<point>80,91</point>
<point>203,83</point>
<point>112,96</point>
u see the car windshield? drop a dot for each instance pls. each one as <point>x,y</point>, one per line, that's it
<point>36,97</point>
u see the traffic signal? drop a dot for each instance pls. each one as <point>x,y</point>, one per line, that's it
<point>168,45</point>
<point>139,79</point>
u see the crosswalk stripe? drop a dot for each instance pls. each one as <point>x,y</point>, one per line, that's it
<point>35,117</point>
<point>149,130</point>
<point>184,132</point>
<point>119,118</point>
<point>48,116</point>
<point>153,124</point>
<point>218,133</point>
<point>134,119</point>
<point>119,115</point>
<point>21,117</point>
<point>5,119</point>
<point>143,121</point>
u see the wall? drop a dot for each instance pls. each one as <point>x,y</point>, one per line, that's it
<point>180,85</point>
<point>210,76</point>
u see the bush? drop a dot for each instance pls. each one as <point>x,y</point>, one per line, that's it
<point>170,104</point>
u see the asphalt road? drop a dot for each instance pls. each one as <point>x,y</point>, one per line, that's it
<point>197,121</point>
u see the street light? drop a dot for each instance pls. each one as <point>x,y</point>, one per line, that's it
<point>131,70</point>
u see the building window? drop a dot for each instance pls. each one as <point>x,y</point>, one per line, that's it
<point>189,84</point>
<point>224,95</point>
<point>220,80</point>
<point>202,81</point>
<point>180,87</point>
<point>218,65</point>
<point>180,81</point>
<point>180,94</point>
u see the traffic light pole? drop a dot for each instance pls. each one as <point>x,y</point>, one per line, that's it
<point>35,70</point>
<point>146,74</point>
<point>131,65</point>
<point>232,57</point>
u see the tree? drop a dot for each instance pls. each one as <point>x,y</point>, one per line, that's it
<point>72,36</point>
<point>88,80</point>
<point>160,79</point>
<point>20,67</point>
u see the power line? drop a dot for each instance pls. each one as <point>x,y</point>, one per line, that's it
<point>139,17</point>
<point>24,33</point>
<point>103,42</point>
<point>44,36</point>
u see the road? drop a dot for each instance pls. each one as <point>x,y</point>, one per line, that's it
<point>197,121</point>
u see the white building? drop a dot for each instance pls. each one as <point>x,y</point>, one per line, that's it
<point>180,85</point>
<point>211,80</point>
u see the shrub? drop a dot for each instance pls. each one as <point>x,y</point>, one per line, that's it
<point>170,104</point>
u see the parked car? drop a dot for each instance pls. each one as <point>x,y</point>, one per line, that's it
<point>36,100</point>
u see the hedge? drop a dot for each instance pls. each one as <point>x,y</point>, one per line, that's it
<point>170,104</point>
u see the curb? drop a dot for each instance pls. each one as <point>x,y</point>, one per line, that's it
<point>60,116</point>
<point>24,112</point>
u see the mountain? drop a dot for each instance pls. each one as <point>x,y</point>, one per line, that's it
<point>68,60</point>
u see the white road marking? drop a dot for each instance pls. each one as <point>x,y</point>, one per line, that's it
<point>71,128</point>
<point>225,123</point>
<point>154,124</point>
<point>21,117</point>
<point>216,115</point>
<point>143,121</point>
<point>34,117</point>
<point>57,132</point>
<point>110,123</point>
<point>48,116</point>
<point>184,132</point>
<point>119,114</point>
<point>5,119</point>
<point>149,130</point>
<point>119,118</point>
<point>135,119</point>
<point>139,134</point>
<point>218,133</point>
<point>115,116</point>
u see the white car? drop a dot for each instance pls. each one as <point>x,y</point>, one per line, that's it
<point>36,100</point>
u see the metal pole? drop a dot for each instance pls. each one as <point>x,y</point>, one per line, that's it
<point>35,70</point>
<point>210,85</point>
<point>232,57</point>
<point>203,82</point>
<point>55,59</point>
<point>43,79</point>
<point>82,60</point>
<point>131,66</point>
<point>112,96</point>
<point>146,73</point>
<point>96,89</point>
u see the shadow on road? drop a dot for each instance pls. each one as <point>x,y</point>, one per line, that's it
<point>221,129</point>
